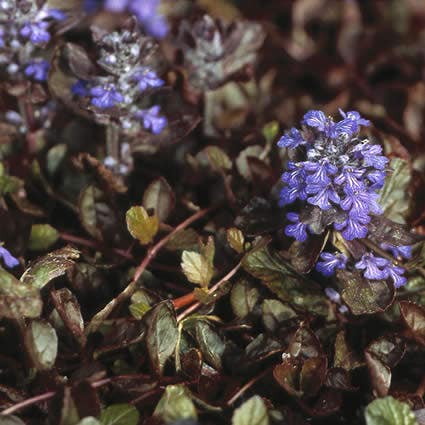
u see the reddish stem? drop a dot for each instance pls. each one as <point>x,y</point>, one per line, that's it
<point>195,306</point>
<point>99,317</point>
<point>93,244</point>
<point>184,300</point>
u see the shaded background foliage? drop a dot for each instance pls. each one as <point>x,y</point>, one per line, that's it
<point>164,290</point>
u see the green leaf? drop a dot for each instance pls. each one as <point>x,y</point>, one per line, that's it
<point>262,346</point>
<point>252,412</point>
<point>10,420</point>
<point>389,349</point>
<point>90,420</point>
<point>9,184</point>
<point>218,158</point>
<point>186,239</point>
<point>142,226</point>
<point>42,237</point>
<point>304,255</point>
<point>210,343</point>
<point>138,310</point>
<point>389,411</point>
<point>197,268</point>
<point>120,414</point>
<point>380,374</point>
<point>236,239</point>
<point>304,295</point>
<point>42,344</point>
<point>395,197</point>
<point>63,409</point>
<point>159,197</point>
<point>175,405</point>
<point>270,131</point>
<point>208,249</point>
<point>18,300</point>
<point>89,197</point>
<point>275,312</point>
<point>242,163</point>
<point>304,343</point>
<point>161,334</point>
<point>413,316</point>
<point>273,270</point>
<point>69,311</point>
<point>55,157</point>
<point>266,265</point>
<point>206,297</point>
<point>243,298</point>
<point>364,296</point>
<point>344,357</point>
<point>49,267</point>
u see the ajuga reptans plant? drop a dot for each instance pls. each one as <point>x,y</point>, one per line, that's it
<point>334,175</point>
<point>121,83</point>
<point>25,31</point>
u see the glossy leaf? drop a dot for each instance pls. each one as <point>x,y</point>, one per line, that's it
<point>175,405</point>
<point>275,313</point>
<point>42,343</point>
<point>395,197</point>
<point>364,296</point>
<point>186,239</point>
<point>380,374</point>
<point>210,343</point>
<point>389,411</point>
<point>414,317</point>
<point>18,300</point>
<point>243,298</point>
<point>69,310</point>
<point>251,412</point>
<point>161,334</point>
<point>160,198</point>
<point>49,267</point>
<point>89,420</point>
<point>218,159</point>
<point>236,239</point>
<point>197,268</point>
<point>119,414</point>
<point>344,356</point>
<point>142,226</point>
<point>10,420</point>
<point>42,237</point>
<point>286,375</point>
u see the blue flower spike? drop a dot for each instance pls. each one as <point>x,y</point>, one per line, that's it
<point>339,174</point>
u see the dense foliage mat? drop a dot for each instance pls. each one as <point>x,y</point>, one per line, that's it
<point>212,212</point>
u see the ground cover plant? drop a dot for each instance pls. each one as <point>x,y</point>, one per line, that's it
<point>212,212</point>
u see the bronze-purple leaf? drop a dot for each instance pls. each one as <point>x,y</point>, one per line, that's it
<point>413,316</point>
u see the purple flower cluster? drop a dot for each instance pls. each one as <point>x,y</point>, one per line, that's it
<point>330,262</point>
<point>36,30</point>
<point>106,94</point>
<point>9,260</point>
<point>336,178</point>
<point>24,28</point>
<point>341,173</point>
<point>146,12</point>
<point>102,95</point>
<point>371,266</point>
<point>146,78</point>
<point>37,69</point>
<point>128,81</point>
